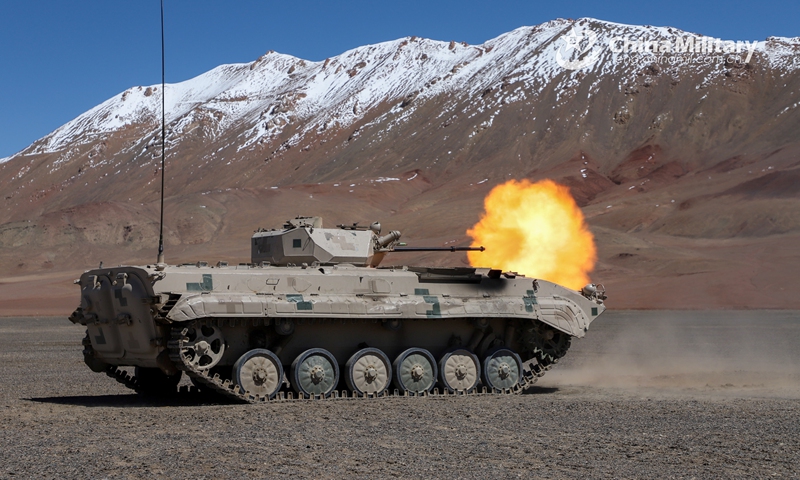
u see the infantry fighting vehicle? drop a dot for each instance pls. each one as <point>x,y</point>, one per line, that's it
<point>313,307</point>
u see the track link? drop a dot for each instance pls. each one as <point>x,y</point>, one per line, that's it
<point>533,369</point>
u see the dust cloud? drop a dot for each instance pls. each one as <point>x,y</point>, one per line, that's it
<point>737,353</point>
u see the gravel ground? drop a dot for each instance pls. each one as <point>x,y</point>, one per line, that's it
<point>676,402</point>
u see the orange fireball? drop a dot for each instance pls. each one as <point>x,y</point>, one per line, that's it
<point>535,229</point>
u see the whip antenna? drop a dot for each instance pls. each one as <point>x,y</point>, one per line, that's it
<point>160,260</point>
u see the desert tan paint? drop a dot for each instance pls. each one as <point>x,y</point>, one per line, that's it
<point>308,287</point>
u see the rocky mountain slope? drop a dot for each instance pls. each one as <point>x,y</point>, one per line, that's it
<point>687,169</point>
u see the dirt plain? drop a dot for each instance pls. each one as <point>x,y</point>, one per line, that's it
<point>691,194</point>
<point>645,395</point>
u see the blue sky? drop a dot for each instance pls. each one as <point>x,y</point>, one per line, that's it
<point>59,59</point>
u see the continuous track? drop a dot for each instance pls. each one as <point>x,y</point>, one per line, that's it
<point>533,369</point>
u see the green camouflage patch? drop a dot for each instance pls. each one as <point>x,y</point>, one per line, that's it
<point>435,311</point>
<point>530,301</point>
<point>205,286</point>
<point>298,299</point>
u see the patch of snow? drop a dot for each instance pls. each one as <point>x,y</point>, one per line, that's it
<point>277,91</point>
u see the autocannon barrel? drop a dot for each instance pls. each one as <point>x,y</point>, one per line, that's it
<point>439,249</point>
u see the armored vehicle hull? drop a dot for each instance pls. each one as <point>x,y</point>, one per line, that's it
<point>257,332</point>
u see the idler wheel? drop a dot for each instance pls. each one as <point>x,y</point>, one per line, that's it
<point>259,372</point>
<point>415,371</point>
<point>502,369</point>
<point>459,370</point>
<point>203,347</point>
<point>368,372</point>
<point>315,372</point>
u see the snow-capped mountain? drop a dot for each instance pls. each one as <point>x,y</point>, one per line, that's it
<point>416,131</point>
<point>276,90</point>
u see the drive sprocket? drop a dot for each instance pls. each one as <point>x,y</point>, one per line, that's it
<point>545,343</point>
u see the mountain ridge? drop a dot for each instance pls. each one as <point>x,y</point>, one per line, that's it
<point>286,64</point>
<point>415,132</point>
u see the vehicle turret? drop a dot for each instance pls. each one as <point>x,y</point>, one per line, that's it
<point>304,240</point>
